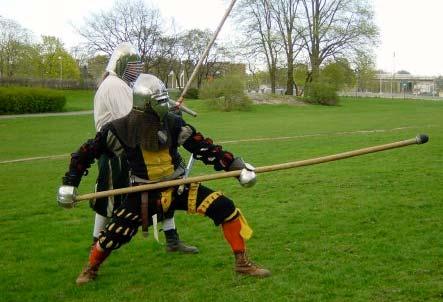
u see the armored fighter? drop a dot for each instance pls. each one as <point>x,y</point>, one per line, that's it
<point>113,100</point>
<point>150,136</point>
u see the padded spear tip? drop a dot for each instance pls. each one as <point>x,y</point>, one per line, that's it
<point>422,139</point>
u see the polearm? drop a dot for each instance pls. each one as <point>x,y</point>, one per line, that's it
<point>200,61</point>
<point>420,139</point>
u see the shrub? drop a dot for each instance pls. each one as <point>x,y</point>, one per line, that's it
<point>226,94</point>
<point>17,100</point>
<point>192,93</point>
<point>321,93</point>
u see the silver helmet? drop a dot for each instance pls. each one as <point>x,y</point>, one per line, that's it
<point>150,94</point>
<point>125,62</point>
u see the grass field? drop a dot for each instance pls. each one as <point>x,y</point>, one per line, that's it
<point>368,228</point>
<point>77,100</point>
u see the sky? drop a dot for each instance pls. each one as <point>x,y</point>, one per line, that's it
<point>410,36</point>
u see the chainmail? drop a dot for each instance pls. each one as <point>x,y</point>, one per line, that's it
<point>141,128</point>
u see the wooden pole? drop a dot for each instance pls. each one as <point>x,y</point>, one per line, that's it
<point>203,56</point>
<point>420,139</point>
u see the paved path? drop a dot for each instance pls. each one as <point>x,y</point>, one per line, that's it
<point>45,114</point>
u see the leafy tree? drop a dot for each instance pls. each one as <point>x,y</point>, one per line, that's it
<point>364,71</point>
<point>338,74</point>
<point>55,61</point>
<point>14,40</point>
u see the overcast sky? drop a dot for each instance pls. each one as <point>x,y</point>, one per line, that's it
<point>409,28</point>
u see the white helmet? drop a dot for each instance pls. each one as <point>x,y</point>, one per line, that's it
<point>125,62</point>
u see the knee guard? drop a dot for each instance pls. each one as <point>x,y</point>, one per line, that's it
<point>120,230</point>
<point>217,207</point>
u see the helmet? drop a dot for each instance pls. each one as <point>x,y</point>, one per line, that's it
<point>150,94</point>
<point>125,62</point>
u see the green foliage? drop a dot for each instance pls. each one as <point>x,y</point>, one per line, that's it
<point>17,100</point>
<point>338,74</point>
<point>192,93</point>
<point>226,93</point>
<point>321,93</point>
<point>55,61</point>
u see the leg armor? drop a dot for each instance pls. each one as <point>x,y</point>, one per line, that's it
<point>123,225</point>
<point>198,199</point>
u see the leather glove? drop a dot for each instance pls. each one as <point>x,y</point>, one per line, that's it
<point>247,176</point>
<point>66,196</point>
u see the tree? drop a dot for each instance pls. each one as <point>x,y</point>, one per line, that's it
<point>285,14</point>
<point>334,28</point>
<point>192,45</point>
<point>14,42</point>
<point>128,21</point>
<point>96,66</point>
<point>55,61</point>
<point>301,72</point>
<point>258,26</point>
<point>364,70</point>
<point>338,74</point>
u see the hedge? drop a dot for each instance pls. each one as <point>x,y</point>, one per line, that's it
<point>18,100</point>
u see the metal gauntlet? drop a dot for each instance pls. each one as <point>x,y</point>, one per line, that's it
<point>66,196</point>
<point>247,177</point>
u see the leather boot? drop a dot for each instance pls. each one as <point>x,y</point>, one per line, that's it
<point>88,274</point>
<point>244,266</point>
<point>174,244</point>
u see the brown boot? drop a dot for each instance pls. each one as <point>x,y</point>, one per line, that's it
<point>96,257</point>
<point>244,266</point>
<point>88,274</point>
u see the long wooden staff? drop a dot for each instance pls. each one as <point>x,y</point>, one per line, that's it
<point>420,139</point>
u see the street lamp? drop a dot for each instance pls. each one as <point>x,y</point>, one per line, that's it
<point>61,68</point>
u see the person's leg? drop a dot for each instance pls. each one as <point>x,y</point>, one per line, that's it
<point>99,225</point>
<point>122,227</point>
<point>223,212</point>
<point>173,242</point>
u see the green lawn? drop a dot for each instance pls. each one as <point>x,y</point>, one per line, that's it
<point>78,100</point>
<point>362,229</point>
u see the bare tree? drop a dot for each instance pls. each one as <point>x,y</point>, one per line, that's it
<point>334,28</point>
<point>285,14</point>
<point>128,21</point>
<point>256,19</point>
<point>167,58</point>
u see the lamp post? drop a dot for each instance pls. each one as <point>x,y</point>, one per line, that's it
<point>61,69</point>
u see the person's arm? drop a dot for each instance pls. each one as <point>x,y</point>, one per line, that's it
<point>82,159</point>
<point>204,149</point>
